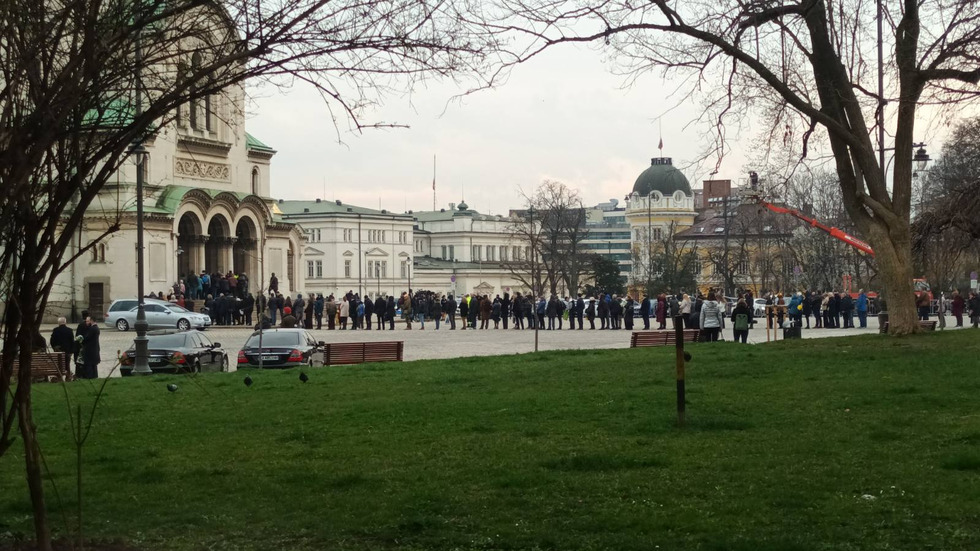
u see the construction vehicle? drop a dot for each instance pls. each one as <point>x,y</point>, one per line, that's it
<point>752,194</point>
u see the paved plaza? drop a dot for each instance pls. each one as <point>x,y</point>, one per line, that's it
<point>444,343</point>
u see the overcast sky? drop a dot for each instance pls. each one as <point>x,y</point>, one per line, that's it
<point>562,116</point>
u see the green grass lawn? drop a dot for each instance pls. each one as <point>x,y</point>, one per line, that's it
<point>859,443</point>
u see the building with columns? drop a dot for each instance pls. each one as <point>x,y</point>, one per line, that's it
<point>207,207</point>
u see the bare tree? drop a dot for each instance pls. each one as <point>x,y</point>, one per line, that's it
<point>556,237</point>
<point>803,66</point>
<point>85,79</point>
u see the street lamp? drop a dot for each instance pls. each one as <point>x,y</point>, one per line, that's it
<point>141,363</point>
<point>534,271</point>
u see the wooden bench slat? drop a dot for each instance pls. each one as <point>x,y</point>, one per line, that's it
<point>660,338</point>
<point>355,353</point>
<point>46,367</point>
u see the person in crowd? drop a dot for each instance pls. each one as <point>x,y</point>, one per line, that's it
<point>405,303</point>
<point>686,306</point>
<point>435,310</point>
<point>345,312</point>
<point>645,312</point>
<point>590,313</point>
<point>91,353</point>
<point>957,308</point>
<point>318,310</point>
<point>368,312</point>
<point>847,310</point>
<point>806,309</point>
<point>662,311</point>
<point>464,310</point>
<point>551,310</point>
<point>602,310</point>
<point>248,304</point>
<point>486,310</point>
<point>741,321</point>
<point>505,306</point>
<point>380,304</point>
<point>274,285</point>
<point>331,310</point>
<point>288,319</point>
<point>922,303</point>
<point>390,310</point>
<point>474,312</point>
<point>63,340</point>
<point>495,312</point>
<point>973,305</point>
<point>711,318</point>
<point>309,310</point>
<point>580,311</point>
<point>628,312</point>
<point>359,313</point>
<point>562,308</point>
<point>449,309</point>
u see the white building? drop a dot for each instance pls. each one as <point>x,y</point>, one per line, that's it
<point>206,205</point>
<point>351,248</point>
<point>458,250</point>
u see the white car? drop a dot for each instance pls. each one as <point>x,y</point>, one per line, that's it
<point>759,308</point>
<point>159,315</point>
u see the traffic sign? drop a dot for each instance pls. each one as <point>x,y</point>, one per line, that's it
<point>452,279</point>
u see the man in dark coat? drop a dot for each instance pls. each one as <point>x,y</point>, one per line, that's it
<point>464,310</point>
<point>368,312</point>
<point>580,312</point>
<point>645,312</point>
<point>274,283</point>
<point>847,310</point>
<point>91,353</point>
<point>379,311</point>
<point>505,308</point>
<point>628,313</point>
<point>298,305</point>
<point>63,340</point>
<point>450,310</point>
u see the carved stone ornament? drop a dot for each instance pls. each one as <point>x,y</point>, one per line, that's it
<point>202,170</point>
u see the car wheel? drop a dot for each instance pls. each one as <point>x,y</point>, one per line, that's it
<point>183,325</point>
<point>122,325</point>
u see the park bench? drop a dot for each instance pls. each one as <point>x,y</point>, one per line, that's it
<point>928,325</point>
<point>641,339</point>
<point>46,367</point>
<point>362,352</point>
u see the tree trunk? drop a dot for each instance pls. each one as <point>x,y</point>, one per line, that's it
<point>893,252</point>
<point>32,459</point>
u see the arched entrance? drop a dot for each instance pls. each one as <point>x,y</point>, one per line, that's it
<point>246,248</point>
<point>190,244</point>
<point>219,241</point>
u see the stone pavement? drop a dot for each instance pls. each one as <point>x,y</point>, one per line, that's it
<point>432,344</point>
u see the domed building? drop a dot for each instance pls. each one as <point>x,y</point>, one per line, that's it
<point>661,201</point>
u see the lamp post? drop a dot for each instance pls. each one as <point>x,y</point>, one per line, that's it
<point>177,254</point>
<point>534,273</point>
<point>141,362</point>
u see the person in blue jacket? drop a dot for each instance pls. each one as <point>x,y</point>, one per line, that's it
<point>862,308</point>
<point>795,309</point>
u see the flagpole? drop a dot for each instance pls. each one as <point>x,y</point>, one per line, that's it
<point>433,181</point>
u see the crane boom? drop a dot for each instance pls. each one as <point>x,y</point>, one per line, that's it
<point>836,233</point>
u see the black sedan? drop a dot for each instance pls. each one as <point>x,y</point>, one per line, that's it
<point>281,348</point>
<point>184,352</point>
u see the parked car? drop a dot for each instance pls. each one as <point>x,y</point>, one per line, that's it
<point>281,348</point>
<point>759,308</point>
<point>178,352</point>
<point>159,315</point>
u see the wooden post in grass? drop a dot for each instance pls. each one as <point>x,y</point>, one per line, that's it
<point>679,346</point>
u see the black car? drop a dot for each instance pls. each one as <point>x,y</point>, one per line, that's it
<point>183,352</point>
<point>281,348</point>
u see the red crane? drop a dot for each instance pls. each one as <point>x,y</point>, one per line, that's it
<point>836,233</point>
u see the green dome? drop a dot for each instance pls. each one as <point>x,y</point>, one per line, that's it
<point>661,176</point>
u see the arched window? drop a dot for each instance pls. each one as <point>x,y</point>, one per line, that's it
<point>207,113</point>
<point>195,103</point>
<point>255,180</point>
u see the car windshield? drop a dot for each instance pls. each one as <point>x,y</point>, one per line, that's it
<point>274,339</point>
<point>178,309</point>
<point>167,341</point>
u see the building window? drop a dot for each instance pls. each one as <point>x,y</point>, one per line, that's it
<point>503,253</point>
<point>384,269</point>
<point>444,251</point>
<point>98,253</point>
<point>309,269</point>
<point>657,234</point>
<point>207,113</point>
<point>370,268</point>
<point>255,181</point>
<point>490,251</point>
<point>319,269</point>
<point>404,269</point>
<point>697,266</point>
<point>347,269</point>
<point>515,253</point>
<point>742,267</point>
<point>196,102</point>
<point>527,253</point>
<point>452,252</point>
<point>383,236</point>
